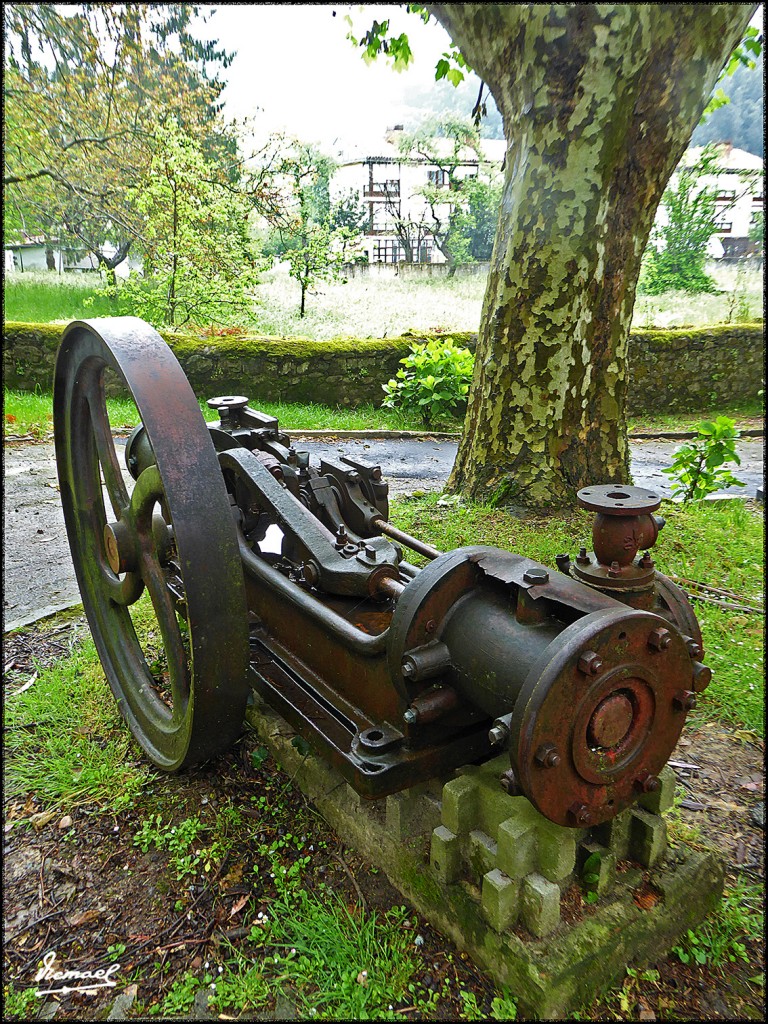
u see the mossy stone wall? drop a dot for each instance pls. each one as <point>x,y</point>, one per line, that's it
<point>681,370</point>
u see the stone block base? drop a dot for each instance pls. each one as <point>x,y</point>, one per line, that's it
<point>488,871</point>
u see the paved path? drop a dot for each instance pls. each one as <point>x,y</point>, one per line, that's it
<point>38,574</point>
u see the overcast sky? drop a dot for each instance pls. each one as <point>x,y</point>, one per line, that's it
<point>296,70</point>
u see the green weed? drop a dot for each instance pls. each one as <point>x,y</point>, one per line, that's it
<point>43,297</point>
<point>65,741</point>
<point>720,939</point>
<point>699,466</point>
<point>19,1004</point>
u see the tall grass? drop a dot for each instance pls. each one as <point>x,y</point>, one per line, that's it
<point>379,308</point>
<point>42,297</point>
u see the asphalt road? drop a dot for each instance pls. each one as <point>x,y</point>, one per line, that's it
<point>38,574</point>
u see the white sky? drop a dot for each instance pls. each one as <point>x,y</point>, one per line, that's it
<point>296,70</point>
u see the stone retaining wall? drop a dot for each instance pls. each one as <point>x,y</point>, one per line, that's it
<point>681,370</point>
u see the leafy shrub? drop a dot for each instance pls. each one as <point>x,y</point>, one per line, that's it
<point>434,381</point>
<point>698,466</point>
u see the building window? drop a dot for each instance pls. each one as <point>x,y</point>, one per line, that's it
<point>438,178</point>
<point>383,217</point>
<point>425,252</point>
<point>386,250</point>
<point>387,189</point>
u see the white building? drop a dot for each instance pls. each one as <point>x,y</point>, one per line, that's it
<point>39,253</point>
<point>388,184</point>
<point>739,183</point>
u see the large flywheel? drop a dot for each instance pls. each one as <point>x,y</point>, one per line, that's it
<point>157,560</point>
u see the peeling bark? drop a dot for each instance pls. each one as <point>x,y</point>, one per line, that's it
<point>598,103</point>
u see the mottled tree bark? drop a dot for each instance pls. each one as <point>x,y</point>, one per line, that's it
<point>599,102</point>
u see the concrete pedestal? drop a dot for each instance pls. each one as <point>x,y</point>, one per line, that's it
<point>488,871</point>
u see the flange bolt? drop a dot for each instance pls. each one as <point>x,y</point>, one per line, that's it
<point>547,756</point>
<point>694,649</point>
<point>410,716</point>
<point>509,782</point>
<point>684,700</point>
<point>582,558</point>
<point>647,783</point>
<point>498,734</point>
<point>660,639</point>
<point>590,663</point>
<point>580,814</point>
<point>615,570</point>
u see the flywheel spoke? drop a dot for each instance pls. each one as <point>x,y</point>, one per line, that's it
<point>105,447</point>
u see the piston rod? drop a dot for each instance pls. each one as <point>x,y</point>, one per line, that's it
<point>405,538</point>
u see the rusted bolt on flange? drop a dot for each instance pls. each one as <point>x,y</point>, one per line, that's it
<point>498,734</point>
<point>659,639</point>
<point>684,700</point>
<point>590,663</point>
<point>580,814</point>
<point>694,649</point>
<point>536,576</point>
<point>509,782</point>
<point>547,756</point>
<point>582,558</point>
<point>646,562</point>
<point>702,676</point>
<point>647,783</point>
<point>615,570</point>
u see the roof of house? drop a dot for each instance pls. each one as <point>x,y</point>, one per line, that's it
<point>729,158</point>
<point>388,152</point>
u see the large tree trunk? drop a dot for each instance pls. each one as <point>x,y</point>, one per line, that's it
<point>599,103</point>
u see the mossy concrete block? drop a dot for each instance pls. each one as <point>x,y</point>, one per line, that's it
<point>412,812</point>
<point>516,848</point>
<point>661,799</point>
<point>606,865</point>
<point>461,808</point>
<point>481,853</point>
<point>539,904</point>
<point>445,855</point>
<point>556,851</point>
<point>552,976</point>
<point>500,900</point>
<point>648,837</point>
<point>614,834</point>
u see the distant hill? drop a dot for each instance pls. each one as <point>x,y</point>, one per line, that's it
<point>740,121</point>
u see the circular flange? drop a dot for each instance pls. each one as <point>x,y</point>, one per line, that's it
<point>235,402</point>
<point>611,730</point>
<point>618,499</point>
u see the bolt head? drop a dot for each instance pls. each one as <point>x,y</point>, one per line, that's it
<point>547,756</point>
<point>659,639</point>
<point>580,814</point>
<point>535,576</point>
<point>684,700</point>
<point>648,783</point>
<point>410,715</point>
<point>615,570</point>
<point>498,734</point>
<point>590,663</point>
<point>430,626</point>
<point>509,782</point>
<point>694,649</point>
<point>702,676</point>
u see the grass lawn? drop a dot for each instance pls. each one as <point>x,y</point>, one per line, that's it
<point>373,308</point>
<point>31,414</point>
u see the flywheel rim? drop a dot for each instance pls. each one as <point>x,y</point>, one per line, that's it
<point>210,690</point>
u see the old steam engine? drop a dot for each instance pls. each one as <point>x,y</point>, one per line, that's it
<point>261,571</point>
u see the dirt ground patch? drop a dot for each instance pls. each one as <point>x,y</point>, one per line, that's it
<point>79,885</point>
